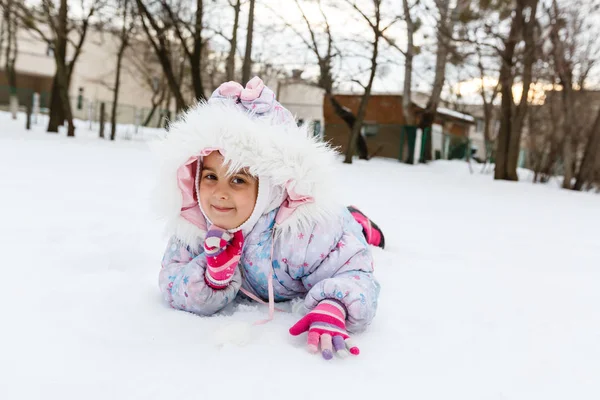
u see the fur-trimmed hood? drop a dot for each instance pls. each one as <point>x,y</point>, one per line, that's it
<point>300,166</point>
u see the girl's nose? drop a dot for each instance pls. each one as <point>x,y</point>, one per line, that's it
<point>222,193</point>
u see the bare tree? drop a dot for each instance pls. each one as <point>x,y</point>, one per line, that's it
<point>158,95</point>
<point>522,29</point>
<point>189,29</point>
<point>573,57</point>
<point>230,67</point>
<point>2,28</point>
<point>590,157</point>
<point>564,70</point>
<point>10,27</point>
<point>325,51</point>
<point>143,65</point>
<point>407,107</point>
<point>163,22</point>
<point>375,23</point>
<point>488,106</point>
<point>54,27</point>
<point>124,39</point>
<point>247,67</point>
<point>447,19</point>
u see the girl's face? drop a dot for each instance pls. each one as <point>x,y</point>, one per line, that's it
<point>228,201</point>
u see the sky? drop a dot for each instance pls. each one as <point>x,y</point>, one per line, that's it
<point>280,46</point>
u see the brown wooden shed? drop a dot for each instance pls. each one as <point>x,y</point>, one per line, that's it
<point>383,122</point>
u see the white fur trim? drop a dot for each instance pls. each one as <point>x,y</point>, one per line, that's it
<point>281,153</point>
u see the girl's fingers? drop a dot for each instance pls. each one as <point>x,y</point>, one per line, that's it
<point>313,342</point>
<point>326,347</point>
<point>351,347</point>
<point>340,346</point>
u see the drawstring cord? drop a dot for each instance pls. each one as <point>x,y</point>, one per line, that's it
<point>271,302</point>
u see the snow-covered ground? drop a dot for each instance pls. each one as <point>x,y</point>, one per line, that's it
<point>490,290</point>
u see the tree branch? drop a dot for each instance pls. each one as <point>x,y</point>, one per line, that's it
<point>176,21</point>
<point>353,4</point>
<point>310,30</point>
<point>79,45</point>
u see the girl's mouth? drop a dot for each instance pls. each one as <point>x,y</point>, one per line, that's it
<point>222,209</point>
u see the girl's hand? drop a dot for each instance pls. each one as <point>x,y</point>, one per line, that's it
<point>326,324</point>
<point>223,251</point>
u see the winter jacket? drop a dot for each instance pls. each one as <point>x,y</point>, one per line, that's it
<point>309,242</point>
<point>327,261</point>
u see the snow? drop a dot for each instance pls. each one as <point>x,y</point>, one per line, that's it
<point>489,289</point>
<point>447,111</point>
<point>456,114</point>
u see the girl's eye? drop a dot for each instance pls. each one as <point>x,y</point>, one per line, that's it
<point>210,177</point>
<point>238,181</point>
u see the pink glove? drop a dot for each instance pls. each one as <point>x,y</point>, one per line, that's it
<point>326,323</point>
<point>223,251</point>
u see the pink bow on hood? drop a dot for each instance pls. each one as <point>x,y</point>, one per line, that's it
<point>255,98</point>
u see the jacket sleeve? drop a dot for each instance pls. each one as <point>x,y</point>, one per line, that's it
<point>341,267</point>
<point>181,281</point>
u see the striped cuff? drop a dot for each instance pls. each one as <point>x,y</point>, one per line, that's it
<point>216,284</point>
<point>334,303</point>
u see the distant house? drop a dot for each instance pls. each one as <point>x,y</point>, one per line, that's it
<point>92,78</point>
<point>383,123</point>
<point>304,100</point>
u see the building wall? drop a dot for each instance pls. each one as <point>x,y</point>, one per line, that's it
<point>94,73</point>
<point>304,101</point>
<point>387,140</point>
<point>385,111</point>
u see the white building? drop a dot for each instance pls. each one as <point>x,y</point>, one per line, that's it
<point>303,99</point>
<point>92,78</point>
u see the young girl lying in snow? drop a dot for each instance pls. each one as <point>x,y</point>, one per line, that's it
<point>252,208</point>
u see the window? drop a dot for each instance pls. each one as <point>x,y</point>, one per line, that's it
<point>316,125</point>
<point>370,129</point>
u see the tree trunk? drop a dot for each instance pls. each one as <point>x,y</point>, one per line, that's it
<point>487,136</point>
<point>230,67</point>
<point>507,105</point>
<point>101,120</point>
<point>58,112</point>
<point>155,105</point>
<point>444,35</point>
<point>349,118</point>
<point>590,157</point>
<point>362,108</point>
<point>64,99</point>
<point>124,43</point>
<point>150,115</point>
<point>445,27</point>
<point>62,81</point>
<point>57,115</point>
<point>10,21</point>
<point>247,67</point>
<point>115,103</point>
<point>514,144</point>
<point>196,59</point>
<point>407,108</point>
<point>565,74</point>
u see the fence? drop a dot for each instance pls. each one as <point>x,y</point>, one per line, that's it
<point>87,109</point>
<point>446,146</point>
